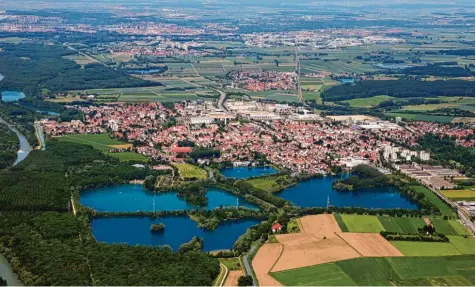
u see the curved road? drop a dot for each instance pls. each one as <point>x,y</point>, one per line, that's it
<point>247,264</point>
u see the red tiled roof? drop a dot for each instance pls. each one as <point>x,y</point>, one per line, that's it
<point>178,149</point>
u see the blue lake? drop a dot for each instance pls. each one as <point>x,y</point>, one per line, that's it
<point>246,172</point>
<point>132,197</point>
<point>178,230</point>
<point>12,96</point>
<point>392,66</point>
<point>347,80</point>
<point>314,193</point>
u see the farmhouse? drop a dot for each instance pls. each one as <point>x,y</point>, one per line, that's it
<point>276,227</point>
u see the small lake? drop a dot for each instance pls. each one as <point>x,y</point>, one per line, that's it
<point>178,230</point>
<point>314,193</point>
<point>132,197</point>
<point>246,172</point>
<point>146,71</point>
<point>12,96</point>
<point>392,66</point>
<point>347,80</point>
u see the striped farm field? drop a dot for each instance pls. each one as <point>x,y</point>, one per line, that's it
<point>413,248</point>
<point>405,225</point>
<point>362,223</point>
<point>98,141</point>
<point>465,245</point>
<point>422,117</point>
<point>385,271</point>
<point>444,209</point>
<point>444,226</point>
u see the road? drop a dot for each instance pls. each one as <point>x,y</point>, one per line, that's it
<point>247,264</point>
<point>221,100</point>
<point>87,56</point>
<point>39,134</point>
<point>298,71</point>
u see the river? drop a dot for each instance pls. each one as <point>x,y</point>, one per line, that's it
<point>25,148</point>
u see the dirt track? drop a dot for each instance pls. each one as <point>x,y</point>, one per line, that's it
<point>263,262</point>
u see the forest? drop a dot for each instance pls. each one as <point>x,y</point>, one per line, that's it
<point>399,89</point>
<point>362,176</point>
<point>9,145</point>
<point>40,236</point>
<point>31,68</point>
<point>438,70</point>
<point>445,151</point>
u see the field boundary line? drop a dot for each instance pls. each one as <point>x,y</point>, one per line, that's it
<point>361,255</point>
<point>277,259</point>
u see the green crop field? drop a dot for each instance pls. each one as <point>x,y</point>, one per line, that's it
<point>129,156</point>
<point>458,194</point>
<point>465,245</point>
<point>104,143</point>
<point>459,228</point>
<point>341,223</point>
<point>405,225</point>
<point>444,209</point>
<point>422,117</point>
<point>367,102</point>
<point>412,248</point>
<point>319,275</point>
<point>444,226</point>
<point>98,141</point>
<point>384,271</point>
<point>189,171</point>
<point>362,223</point>
<point>432,107</point>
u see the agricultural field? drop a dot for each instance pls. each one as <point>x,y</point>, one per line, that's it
<point>432,107</point>
<point>444,209</point>
<point>12,40</point>
<point>406,271</point>
<point>98,141</point>
<point>81,59</point>
<point>104,143</point>
<point>404,225</point>
<point>448,227</point>
<point>362,223</point>
<point>154,93</point>
<point>188,171</point>
<point>129,156</point>
<point>319,275</point>
<point>368,102</point>
<point>455,195</point>
<point>422,117</point>
<point>465,245</point>
<point>413,248</point>
<point>337,67</point>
